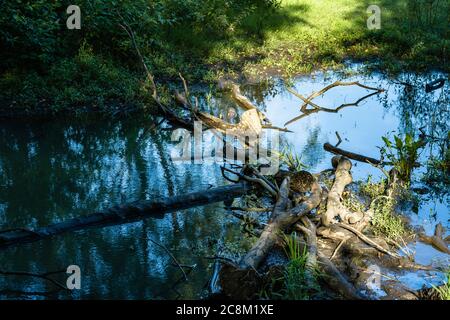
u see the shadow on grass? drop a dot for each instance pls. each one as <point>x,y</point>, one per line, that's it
<point>413,33</point>
<point>239,44</point>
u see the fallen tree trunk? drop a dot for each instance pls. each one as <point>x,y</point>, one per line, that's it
<point>332,276</point>
<point>334,205</point>
<point>125,214</point>
<point>282,217</point>
<point>355,156</point>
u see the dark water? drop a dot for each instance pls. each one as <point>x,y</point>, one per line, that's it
<point>51,171</point>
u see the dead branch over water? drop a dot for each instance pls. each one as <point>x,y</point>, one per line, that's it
<point>316,108</point>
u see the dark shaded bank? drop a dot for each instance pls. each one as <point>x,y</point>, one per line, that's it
<point>46,68</point>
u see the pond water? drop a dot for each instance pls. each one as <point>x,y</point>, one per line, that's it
<point>55,170</point>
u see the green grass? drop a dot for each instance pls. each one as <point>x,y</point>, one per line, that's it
<point>351,202</point>
<point>293,282</point>
<point>385,221</point>
<point>372,189</point>
<point>295,274</point>
<point>322,34</point>
<point>444,290</point>
<point>204,42</point>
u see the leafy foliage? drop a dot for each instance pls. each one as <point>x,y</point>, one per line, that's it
<point>291,159</point>
<point>38,51</point>
<point>385,221</point>
<point>403,153</point>
<point>295,283</point>
<point>372,189</point>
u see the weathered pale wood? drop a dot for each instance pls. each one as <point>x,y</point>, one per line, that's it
<point>334,205</point>
<point>283,216</point>
<point>437,240</point>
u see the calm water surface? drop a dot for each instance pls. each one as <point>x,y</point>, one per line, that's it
<point>51,171</point>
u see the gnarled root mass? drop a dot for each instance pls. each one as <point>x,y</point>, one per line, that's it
<point>332,242</point>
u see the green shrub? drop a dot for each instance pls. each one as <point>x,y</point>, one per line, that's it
<point>385,221</point>
<point>403,154</point>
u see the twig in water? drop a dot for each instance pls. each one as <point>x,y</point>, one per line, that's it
<point>172,256</point>
<point>339,139</point>
<point>367,240</point>
<point>317,108</point>
<point>44,276</point>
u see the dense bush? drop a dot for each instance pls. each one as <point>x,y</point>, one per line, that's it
<point>34,32</point>
<point>40,59</point>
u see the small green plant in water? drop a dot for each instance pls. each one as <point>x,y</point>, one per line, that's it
<point>444,290</point>
<point>438,173</point>
<point>402,153</point>
<point>291,159</point>
<point>385,222</point>
<point>372,189</point>
<point>295,274</point>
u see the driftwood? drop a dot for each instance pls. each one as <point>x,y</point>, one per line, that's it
<point>283,216</point>
<point>357,157</point>
<point>336,280</point>
<point>309,230</point>
<point>334,205</point>
<point>332,276</point>
<point>240,99</point>
<point>346,240</point>
<point>367,240</point>
<point>125,214</point>
<point>316,108</point>
<point>354,156</point>
<point>437,240</point>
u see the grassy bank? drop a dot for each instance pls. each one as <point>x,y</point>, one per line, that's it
<point>46,68</point>
<point>318,34</point>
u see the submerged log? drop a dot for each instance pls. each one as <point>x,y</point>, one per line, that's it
<point>127,213</point>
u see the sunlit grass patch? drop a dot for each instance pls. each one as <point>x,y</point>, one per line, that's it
<point>444,290</point>
<point>372,189</point>
<point>296,286</point>
<point>385,221</point>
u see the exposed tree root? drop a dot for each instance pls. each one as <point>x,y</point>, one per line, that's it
<point>334,205</point>
<point>437,240</point>
<point>283,216</point>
